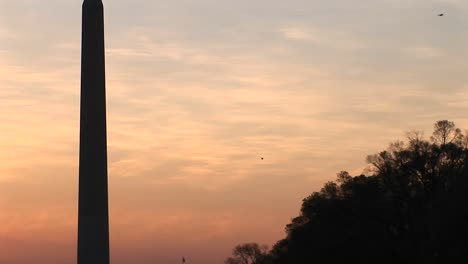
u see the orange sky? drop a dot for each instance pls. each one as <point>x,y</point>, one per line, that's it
<point>198,91</point>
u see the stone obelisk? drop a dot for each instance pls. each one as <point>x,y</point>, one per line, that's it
<point>93,212</point>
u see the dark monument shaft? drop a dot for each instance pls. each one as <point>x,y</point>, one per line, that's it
<point>93,212</point>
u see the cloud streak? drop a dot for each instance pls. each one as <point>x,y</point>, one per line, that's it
<point>327,38</point>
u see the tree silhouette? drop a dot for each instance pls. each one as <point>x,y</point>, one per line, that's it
<point>248,253</point>
<point>412,203</point>
<point>446,132</point>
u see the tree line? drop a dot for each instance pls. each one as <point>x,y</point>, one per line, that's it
<point>411,202</point>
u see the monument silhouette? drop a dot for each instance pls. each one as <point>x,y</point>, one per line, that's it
<point>93,212</point>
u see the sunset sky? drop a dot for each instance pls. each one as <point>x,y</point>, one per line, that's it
<point>197,92</point>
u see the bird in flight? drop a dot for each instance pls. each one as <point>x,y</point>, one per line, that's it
<point>441,14</point>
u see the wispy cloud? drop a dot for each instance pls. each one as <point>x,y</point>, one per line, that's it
<point>326,37</point>
<point>424,52</point>
<point>6,34</point>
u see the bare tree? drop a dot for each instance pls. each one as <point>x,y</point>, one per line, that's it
<point>445,132</point>
<point>249,253</point>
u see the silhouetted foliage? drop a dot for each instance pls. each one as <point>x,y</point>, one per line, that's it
<point>249,253</point>
<point>446,132</point>
<point>412,203</point>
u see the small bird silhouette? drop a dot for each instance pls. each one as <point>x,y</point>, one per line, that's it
<point>441,14</point>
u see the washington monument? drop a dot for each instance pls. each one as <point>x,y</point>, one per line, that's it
<point>93,212</point>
